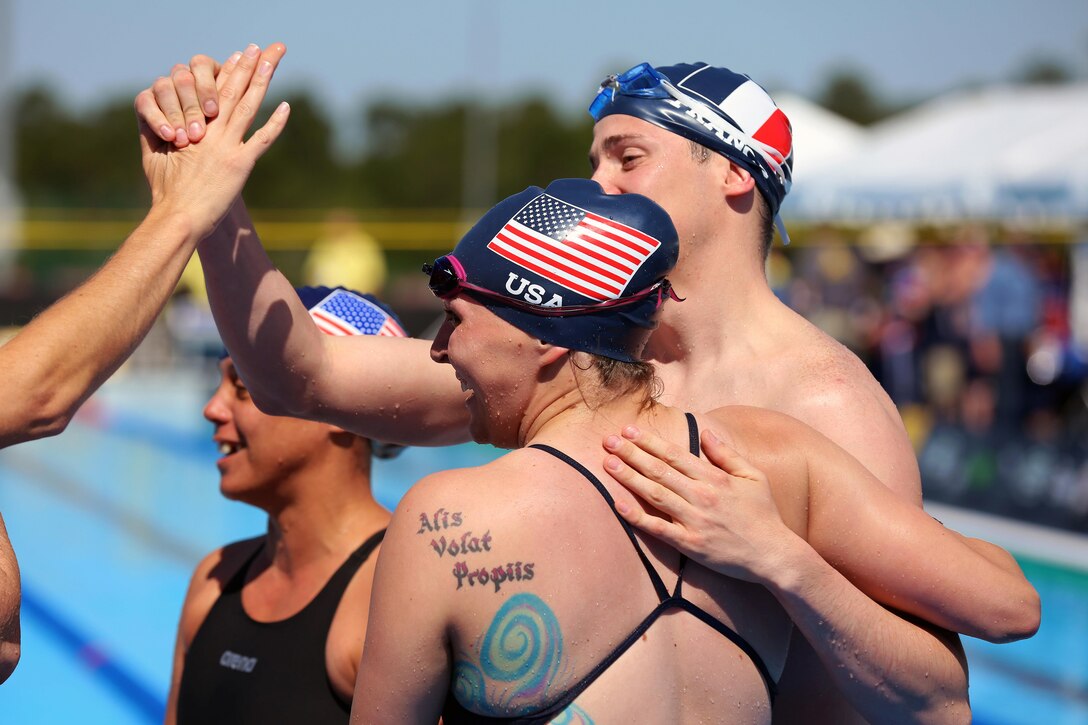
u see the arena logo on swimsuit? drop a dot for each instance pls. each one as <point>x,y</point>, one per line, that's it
<point>237,662</point>
<point>531,293</point>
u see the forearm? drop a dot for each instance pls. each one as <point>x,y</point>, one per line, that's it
<point>260,319</point>
<point>10,594</point>
<point>897,554</point>
<point>890,670</point>
<point>54,364</point>
<point>377,387</point>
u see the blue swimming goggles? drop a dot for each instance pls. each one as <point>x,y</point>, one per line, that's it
<point>645,81</point>
<point>712,129</point>
<point>642,81</point>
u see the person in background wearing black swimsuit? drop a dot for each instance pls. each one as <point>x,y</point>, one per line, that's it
<point>272,627</point>
<point>514,592</point>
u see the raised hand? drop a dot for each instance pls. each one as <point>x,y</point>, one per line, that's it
<point>202,181</point>
<point>177,107</point>
<point>718,511</point>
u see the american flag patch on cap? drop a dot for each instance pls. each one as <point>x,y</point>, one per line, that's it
<point>345,313</point>
<point>586,253</point>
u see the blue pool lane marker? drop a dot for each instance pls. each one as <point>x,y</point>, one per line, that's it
<point>116,676</point>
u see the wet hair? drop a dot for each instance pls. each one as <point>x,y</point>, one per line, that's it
<point>766,227</point>
<point>622,378</point>
<point>700,153</point>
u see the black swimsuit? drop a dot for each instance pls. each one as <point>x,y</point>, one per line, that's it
<point>454,713</point>
<point>239,670</point>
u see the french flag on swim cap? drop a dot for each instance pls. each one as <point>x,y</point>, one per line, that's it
<point>575,248</point>
<point>744,103</point>
<point>725,111</point>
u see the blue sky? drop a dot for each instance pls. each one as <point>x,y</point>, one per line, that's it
<point>351,51</point>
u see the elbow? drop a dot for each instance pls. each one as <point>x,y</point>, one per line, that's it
<point>1023,619</point>
<point>273,404</point>
<point>953,712</point>
<point>9,658</point>
<point>42,415</point>
<point>1018,618</point>
<point>934,705</point>
<point>286,400</point>
<point>10,629</point>
<point>51,423</point>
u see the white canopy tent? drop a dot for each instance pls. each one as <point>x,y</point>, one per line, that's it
<point>820,137</point>
<point>1004,152</point>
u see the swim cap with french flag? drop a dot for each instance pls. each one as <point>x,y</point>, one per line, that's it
<point>722,110</point>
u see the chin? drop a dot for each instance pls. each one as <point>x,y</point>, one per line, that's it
<point>231,494</point>
<point>493,435</point>
<point>477,429</point>
<point>237,490</point>
<point>480,429</point>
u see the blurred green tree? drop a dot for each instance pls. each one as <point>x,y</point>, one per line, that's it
<point>849,94</point>
<point>63,159</point>
<point>1044,71</point>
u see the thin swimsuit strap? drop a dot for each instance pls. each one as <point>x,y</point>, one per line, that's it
<point>454,713</point>
<point>655,578</point>
<point>361,554</point>
<point>666,601</point>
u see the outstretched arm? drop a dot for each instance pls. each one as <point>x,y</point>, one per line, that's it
<point>65,353</point>
<point>377,387</point>
<point>52,365</point>
<point>889,670</point>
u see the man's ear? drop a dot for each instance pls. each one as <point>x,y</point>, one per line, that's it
<point>736,180</point>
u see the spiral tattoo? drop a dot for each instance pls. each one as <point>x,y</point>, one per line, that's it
<point>523,647</point>
<point>468,686</point>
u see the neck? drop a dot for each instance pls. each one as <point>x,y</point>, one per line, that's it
<point>725,292</point>
<point>323,514</point>
<point>578,408</point>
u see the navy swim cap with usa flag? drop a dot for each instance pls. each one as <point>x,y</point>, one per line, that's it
<point>342,312</point>
<point>569,265</point>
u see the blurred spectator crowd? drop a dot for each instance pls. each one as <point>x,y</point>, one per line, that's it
<point>978,334</point>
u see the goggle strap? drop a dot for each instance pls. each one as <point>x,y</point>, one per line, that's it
<point>781,227</point>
